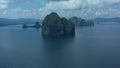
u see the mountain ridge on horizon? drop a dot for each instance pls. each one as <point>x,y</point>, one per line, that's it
<point>7,21</point>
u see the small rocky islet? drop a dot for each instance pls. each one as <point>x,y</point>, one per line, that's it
<point>37,25</point>
<point>53,25</point>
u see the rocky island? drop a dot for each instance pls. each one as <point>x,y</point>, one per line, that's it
<point>81,22</point>
<point>36,25</point>
<point>53,25</point>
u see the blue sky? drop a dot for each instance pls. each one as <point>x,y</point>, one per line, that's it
<point>65,8</point>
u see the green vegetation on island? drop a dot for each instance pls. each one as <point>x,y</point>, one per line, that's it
<point>53,25</point>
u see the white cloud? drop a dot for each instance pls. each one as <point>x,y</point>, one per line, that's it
<point>3,4</point>
<point>4,12</point>
<point>65,8</point>
<point>71,4</point>
<point>74,4</point>
<point>3,1</point>
<point>24,13</point>
<point>97,13</point>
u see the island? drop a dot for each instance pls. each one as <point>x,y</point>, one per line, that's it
<point>55,26</point>
<point>81,22</point>
<point>37,26</point>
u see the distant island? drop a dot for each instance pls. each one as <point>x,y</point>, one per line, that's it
<point>81,22</point>
<point>21,21</point>
<point>115,19</point>
<point>77,21</point>
<point>53,25</point>
<point>37,26</point>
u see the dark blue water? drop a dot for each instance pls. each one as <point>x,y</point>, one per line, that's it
<point>92,47</point>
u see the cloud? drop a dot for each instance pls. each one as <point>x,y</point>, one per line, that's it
<point>3,4</point>
<point>77,4</point>
<point>72,4</point>
<point>24,13</point>
<point>59,0</point>
<point>22,1</point>
<point>3,1</point>
<point>65,8</point>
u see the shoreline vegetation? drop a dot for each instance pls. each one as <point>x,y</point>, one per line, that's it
<point>54,26</point>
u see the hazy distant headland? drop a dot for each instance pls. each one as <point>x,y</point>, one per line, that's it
<point>81,22</point>
<point>75,20</point>
<point>21,21</point>
<point>115,19</point>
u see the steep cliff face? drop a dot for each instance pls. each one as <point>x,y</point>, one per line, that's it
<point>53,25</point>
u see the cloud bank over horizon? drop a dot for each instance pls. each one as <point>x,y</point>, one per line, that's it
<point>66,8</point>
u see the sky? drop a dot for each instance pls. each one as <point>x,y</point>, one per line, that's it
<point>38,9</point>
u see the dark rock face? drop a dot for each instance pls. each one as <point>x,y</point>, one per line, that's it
<point>24,26</point>
<point>37,25</point>
<point>81,22</point>
<point>53,25</point>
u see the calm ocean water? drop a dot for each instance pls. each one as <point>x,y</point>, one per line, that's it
<point>92,47</point>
